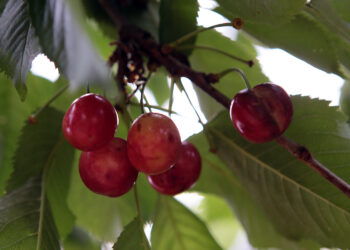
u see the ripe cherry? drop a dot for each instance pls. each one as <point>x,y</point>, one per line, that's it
<point>90,122</point>
<point>182,175</point>
<point>153,143</point>
<point>262,113</point>
<point>108,171</point>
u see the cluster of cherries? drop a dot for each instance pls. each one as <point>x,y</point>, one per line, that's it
<point>110,166</point>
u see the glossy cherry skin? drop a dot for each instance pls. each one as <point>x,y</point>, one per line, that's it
<point>90,122</point>
<point>108,171</point>
<point>182,176</point>
<point>153,143</point>
<point>262,113</point>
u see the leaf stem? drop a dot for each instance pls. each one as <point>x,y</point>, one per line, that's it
<point>195,32</point>
<point>138,211</point>
<point>250,63</point>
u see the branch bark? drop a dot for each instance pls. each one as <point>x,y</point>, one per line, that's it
<point>131,34</point>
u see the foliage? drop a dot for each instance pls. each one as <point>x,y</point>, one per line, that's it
<point>278,200</point>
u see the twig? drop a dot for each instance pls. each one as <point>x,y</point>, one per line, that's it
<point>132,34</point>
<point>303,154</point>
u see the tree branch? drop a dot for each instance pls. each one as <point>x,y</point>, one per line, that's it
<point>303,154</point>
<point>130,34</point>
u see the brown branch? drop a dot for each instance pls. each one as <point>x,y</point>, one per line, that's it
<point>303,154</point>
<point>170,60</point>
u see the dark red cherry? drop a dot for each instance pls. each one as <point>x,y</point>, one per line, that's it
<point>262,113</point>
<point>90,122</point>
<point>182,175</point>
<point>153,143</point>
<point>108,171</point>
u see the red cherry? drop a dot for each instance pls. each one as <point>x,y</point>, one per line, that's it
<point>153,143</point>
<point>108,171</point>
<point>90,122</point>
<point>262,113</point>
<point>182,175</point>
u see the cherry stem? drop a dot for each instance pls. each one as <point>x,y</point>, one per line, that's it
<point>57,94</point>
<point>195,32</point>
<point>156,107</point>
<point>133,93</point>
<point>244,77</point>
<point>250,63</point>
<point>147,104</point>
<point>304,155</point>
<point>191,103</point>
<point>143,97</point>
<point>171,100</point>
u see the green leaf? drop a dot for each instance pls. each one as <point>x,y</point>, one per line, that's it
<point>145,17</point>
<point>218,216</point>
<point>95,11</point>
<point>212,62</point>
<point>323,11</point>
<point>36,147</point>
<point>176,227</point>
<point>61,31</point>
<point>132,238</point>
<point>42,145</point>
<point>18,43</point>
<point>297,200</point>
<point>80,240</point>
<point>25,222</point>
<point>14,113</point>
<point>58,187</point>
<point>304,37</point>
<point>272,12</point>
<point>345,98</point>
<point>159,86</point>
<point>12,116</point>
<point>342,7</point>
<point>217,179</point>
<point>177,18</point>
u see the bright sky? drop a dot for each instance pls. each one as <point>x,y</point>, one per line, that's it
<point>294,75</point>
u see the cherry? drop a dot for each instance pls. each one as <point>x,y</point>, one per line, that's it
<point>108,171</point>
<point>182,175</point>
<point>262,113</point>
<point>90,122</point>
<point>153,143</point>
